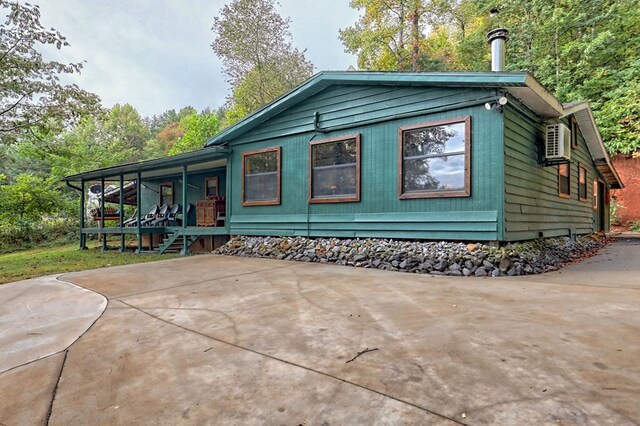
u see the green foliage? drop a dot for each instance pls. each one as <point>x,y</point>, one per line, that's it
<point>123,129</point>
<point>32,96</point>
<point>88,146</point>
<point>619,117</point>
<point>614,211</point>
<point>253,41</point>
<point>34,233</point>
<point>157,123</point>
<point>390,35</point>
<point>581,50</point>
<point>634,226</point>
<point>28,199</point>
<point>197,129</point>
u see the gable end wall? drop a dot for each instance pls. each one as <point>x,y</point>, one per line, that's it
<point>532,205</point>
<point>379,213</point>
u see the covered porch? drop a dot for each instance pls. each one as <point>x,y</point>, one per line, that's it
<point>165,205</point>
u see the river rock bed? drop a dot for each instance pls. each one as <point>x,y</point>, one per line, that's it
<point>435,258</point>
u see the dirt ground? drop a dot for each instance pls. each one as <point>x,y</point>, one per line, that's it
<point>225,340</point>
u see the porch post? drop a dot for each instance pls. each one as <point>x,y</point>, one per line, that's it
<point>83,245</point>
<point>184,210</point>
<point>121,212</point>
<point>104,235</point>
<point>138,203</point>
<point>227,213</point>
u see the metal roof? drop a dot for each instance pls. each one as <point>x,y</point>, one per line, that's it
<point>130,170</point>
<point>522,85</point>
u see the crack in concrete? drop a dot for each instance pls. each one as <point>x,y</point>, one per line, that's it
<point>55,388</point>
<point>310,369</point>
<point>224,314</point>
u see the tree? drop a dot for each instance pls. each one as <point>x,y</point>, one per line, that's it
<point>197,129</point>
<point>86,147</point>
<point>164,141</point>
<point>579,49</point>
<point>123,129</point>
<point>28,198</point>
<point>583,50</point>
<point>253,41</point>
<point>32,97</point>
<point>390,35</point>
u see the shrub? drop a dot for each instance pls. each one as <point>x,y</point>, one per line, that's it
<point>24,234</point>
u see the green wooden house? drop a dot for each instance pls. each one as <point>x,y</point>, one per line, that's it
<point>472,156</point>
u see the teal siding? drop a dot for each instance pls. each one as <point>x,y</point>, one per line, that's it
<point>351,105</point>
<point>380,212</point>
<point>532,205</point>
<point>195,189</point>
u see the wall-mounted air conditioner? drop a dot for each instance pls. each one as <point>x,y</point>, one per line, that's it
<point>558,142</point>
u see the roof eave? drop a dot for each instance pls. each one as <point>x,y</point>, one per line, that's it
<point>584,116</point>
<point>326,78</point>
<point>193,157</point>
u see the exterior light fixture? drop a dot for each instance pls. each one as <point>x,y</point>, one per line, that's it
<point>497,104</point>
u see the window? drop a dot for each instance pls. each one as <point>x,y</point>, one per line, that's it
<point>166,193</point>
<point>582,183</point>
<point>434,159</point>
<point>261,177</point>
<point>564,180</point>
<point>573,126</point>
<point>334,170</point>
<point>211,186</point>
<point>595,195</point>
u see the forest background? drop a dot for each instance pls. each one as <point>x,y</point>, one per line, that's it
<point>579,49</point>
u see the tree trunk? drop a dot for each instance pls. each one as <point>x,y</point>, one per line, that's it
<point>400,52</point>
<point>415,39</point>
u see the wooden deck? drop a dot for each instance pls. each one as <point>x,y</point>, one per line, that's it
<point>189,230</point>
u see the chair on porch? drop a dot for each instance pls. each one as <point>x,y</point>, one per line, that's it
<point>151,215</point>
<point>133,218</point>
<point>185,216</point>
<point>220,210</point>
<point>169,218</point>
<point>162,213</point>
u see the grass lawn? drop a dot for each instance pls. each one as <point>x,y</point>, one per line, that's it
<point>65,258</point>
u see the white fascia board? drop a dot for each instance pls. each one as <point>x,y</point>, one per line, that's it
<point>540,100</point>
<point>587,123</point>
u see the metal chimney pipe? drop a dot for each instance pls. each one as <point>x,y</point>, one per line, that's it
<point>498,39</point>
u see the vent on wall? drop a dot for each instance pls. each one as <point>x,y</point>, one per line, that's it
<point>558,142</point>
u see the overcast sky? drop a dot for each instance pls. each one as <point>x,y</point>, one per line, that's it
<point>156,54</point>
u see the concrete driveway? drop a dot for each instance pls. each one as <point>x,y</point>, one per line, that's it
<point>224,340</point>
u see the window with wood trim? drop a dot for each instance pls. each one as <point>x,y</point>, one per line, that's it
<point>595,195</point>
<point>573,126</point>
<point>261,177</point>
<point>434,159</point>
<point>166,193</point>
<point>334,170</point>
<point>211,186</point>
<point>564,180</point>
<point>582,183</point>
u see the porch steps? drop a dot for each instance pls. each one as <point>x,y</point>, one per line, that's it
<point>173,243</point>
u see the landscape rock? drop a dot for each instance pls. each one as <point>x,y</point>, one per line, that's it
<point>480,272</point>
<point>428,257</point>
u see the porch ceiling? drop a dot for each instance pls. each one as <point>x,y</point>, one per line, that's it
<point>204,159</point>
